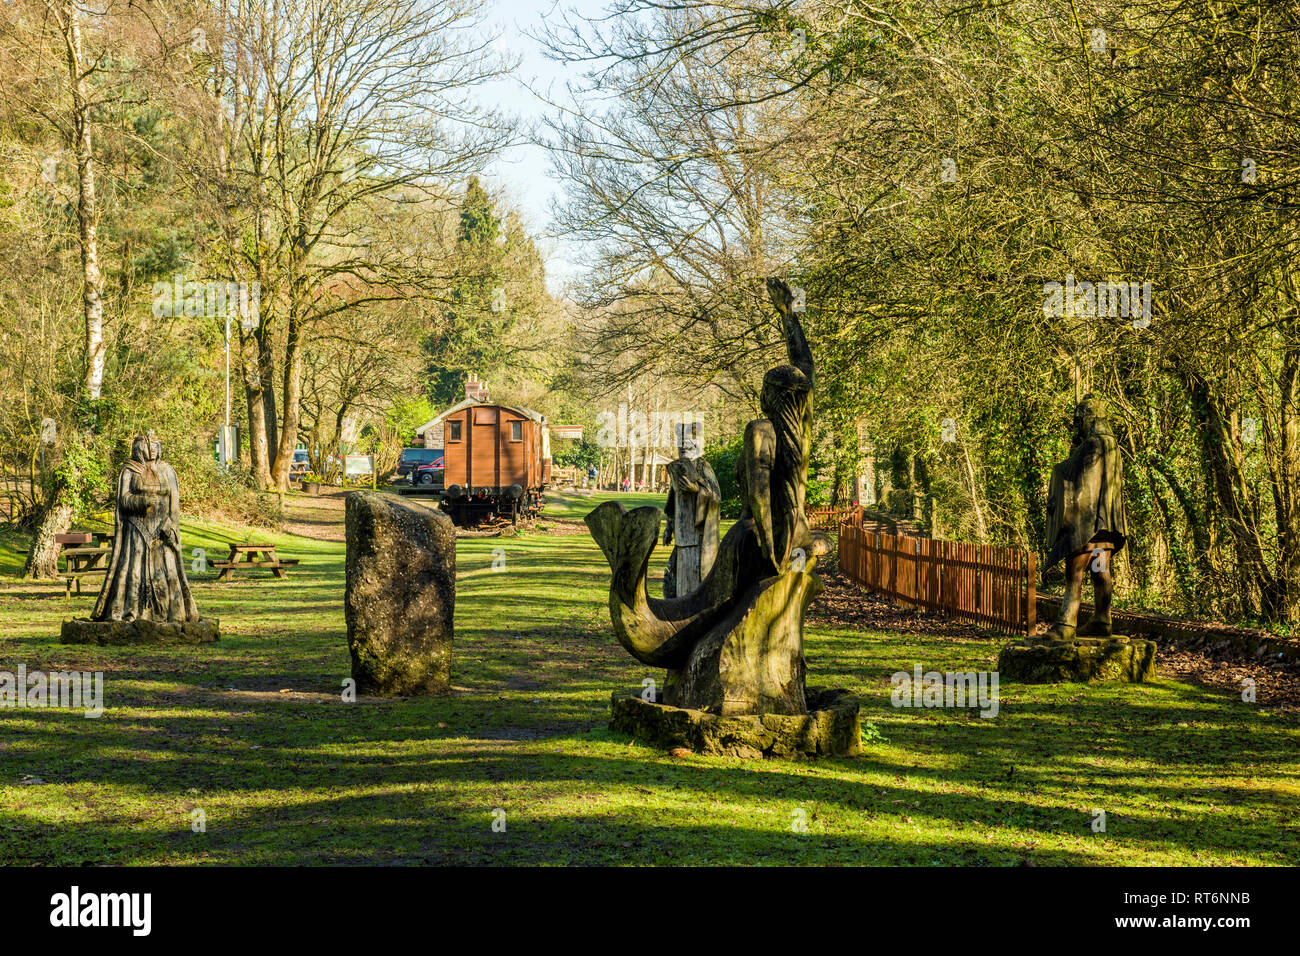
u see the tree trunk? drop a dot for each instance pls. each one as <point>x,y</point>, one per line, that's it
<point>266,370</point>
<point>1196,523</point>
<point>260,372</point>
<point>43,560</point>
<point>1282,602</point>
<point>975,494</point>
<point>259,449</point>
<point>1256,583</point>
<point>647,470</point>
<point>292,404</point>
<point>87,222</point>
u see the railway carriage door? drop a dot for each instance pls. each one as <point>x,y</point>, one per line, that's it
<point>545,458</point>
<point>486,446</point>
<point>516,453</point>
<point>496,450</point>
<point>455,449</point>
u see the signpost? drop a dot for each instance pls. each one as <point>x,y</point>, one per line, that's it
<point>228,444</point>
<point>356,466</point>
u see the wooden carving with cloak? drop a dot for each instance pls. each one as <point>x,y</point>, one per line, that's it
<point>146,575</point>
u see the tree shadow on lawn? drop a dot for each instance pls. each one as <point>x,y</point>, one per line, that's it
<point>1035,771</point>
<point>349,831</point>
<point>395,746</point>
<point>438,808</point>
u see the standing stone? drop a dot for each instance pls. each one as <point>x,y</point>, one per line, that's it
<point>401,595</point>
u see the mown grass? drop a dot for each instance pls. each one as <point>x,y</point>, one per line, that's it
<point>253,732</point>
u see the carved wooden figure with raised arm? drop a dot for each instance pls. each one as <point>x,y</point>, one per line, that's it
<point>734,645</point>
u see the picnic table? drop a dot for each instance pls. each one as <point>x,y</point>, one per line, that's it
<point>251,556</point>
<point>84,560</point>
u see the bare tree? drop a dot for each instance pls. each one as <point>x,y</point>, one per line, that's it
<point>327,118</point>
<point>667,158</point>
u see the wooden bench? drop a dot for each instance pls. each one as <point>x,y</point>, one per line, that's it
<point>91,556</point>
<point>61,541</point>
<point>76,539</point>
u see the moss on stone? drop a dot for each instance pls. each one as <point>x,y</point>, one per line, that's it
<point>82,631</point>
<point>400,595</point>
<point>1083,659</point>
<point>830,728</point>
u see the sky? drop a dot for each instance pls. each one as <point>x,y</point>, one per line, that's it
<point>524,171</point>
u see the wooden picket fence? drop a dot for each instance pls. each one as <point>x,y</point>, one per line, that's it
<point>827,519</point>
<point>975,582</point>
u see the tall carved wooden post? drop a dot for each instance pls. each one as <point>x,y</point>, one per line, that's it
<point>694,501</point>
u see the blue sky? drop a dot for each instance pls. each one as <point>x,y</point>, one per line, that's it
<point>524,171</point>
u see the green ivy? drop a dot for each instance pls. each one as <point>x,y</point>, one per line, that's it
<point>83,473</point>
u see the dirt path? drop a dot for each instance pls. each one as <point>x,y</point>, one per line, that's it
<point>315,516</point>
<point>321,517</point>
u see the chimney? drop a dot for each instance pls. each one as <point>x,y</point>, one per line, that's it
<point>476,390</point>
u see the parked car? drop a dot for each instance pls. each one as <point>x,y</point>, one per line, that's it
<point>298,467</point>
<point>411,457</point>
<point>430,473</point>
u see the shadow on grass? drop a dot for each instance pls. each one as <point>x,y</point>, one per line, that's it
<point>304,778</point>
<point>443,761</point>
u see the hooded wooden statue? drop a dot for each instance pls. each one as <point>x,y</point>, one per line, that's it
<point>1086,525</point>
<point>146,576</point>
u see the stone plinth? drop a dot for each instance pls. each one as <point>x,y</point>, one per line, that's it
<point>1083,659</point>
<point>830,728</point>
<point>400,597</point>
<point>82,631</point>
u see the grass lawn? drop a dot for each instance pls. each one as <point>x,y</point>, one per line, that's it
<point>253,732</point>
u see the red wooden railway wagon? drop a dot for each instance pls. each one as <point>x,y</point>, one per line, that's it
<point>498,462</point>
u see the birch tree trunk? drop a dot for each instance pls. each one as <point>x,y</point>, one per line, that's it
<point>87,220</point>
